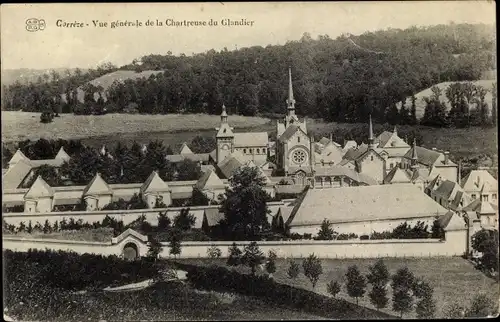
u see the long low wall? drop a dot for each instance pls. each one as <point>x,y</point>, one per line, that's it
<point>127,216</point>
<point>454,245</point>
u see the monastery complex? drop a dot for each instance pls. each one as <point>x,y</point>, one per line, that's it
<point>360,189</point>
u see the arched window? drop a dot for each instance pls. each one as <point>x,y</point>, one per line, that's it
<point>258,151</point>
<point>264,150</point>
<point>251,151</point>
<point>371,158</point>
<point>244,150</point>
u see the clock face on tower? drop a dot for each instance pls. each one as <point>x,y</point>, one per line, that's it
<point>299,156</point>
<point>225,147</point>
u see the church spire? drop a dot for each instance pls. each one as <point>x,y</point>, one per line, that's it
<point>371,139</point>
<point>414,157</point>
<point>223,116</point>
<point>290,101</point>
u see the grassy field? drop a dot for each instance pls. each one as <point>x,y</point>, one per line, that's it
<point>174,129</point>
<point>453,279</point>
<point>18,126</point>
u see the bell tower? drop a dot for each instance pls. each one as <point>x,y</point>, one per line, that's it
<point>224,137</point>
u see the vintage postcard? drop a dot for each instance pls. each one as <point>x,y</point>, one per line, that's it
<point>249,161</point>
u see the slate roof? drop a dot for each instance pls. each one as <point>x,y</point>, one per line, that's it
<point>62,155</point>
<point>289,188</point>
<point>285,213</point>
<point>200,157</point>
<point>350,145</point>
<point>229,165</point>
<point>397,175</point>
<point>290,130</point>
<point>16,174</point>
<point>97,187</point>
<point>390,139</point>
<point>213,216</point>
<point>470,182</point>
<point>18,155</point>
<point>39,189</point>
<point>154,184</point>
<point>185,149</point>
<point>481,207</point>
<point>351,204</point>
<point>355,153</point>
<point>209,179</point>
<point>250,139</point>
<point>428,157</point>
<point>451,221</point>
<point>448,189</point>
<point>225,131</point>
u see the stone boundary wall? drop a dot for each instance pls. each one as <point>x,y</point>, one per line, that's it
<point>127,216</point>
<point>453,245</point>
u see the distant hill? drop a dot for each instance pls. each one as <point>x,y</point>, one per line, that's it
<point>420,103</point>
<point>25,75</point>
<point>107,80</point>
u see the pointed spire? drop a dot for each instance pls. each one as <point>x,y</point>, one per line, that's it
<point>290,101</point>
<point>223,116</point>
<point>414,156</point>
<point>371,139</point>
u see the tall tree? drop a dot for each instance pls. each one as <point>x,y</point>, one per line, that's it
<point>378,277</point>
<point>252,256</point>
<point>312,269</point>
<point>356,283</point>
<point>245,205</point>
<point>326,232</point>
<point>402,296</point>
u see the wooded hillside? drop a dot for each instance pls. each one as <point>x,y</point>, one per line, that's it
<point>342,79</point>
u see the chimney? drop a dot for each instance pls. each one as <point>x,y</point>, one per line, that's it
<point>446,157</point>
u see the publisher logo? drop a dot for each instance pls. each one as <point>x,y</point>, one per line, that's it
<point>34,24</point>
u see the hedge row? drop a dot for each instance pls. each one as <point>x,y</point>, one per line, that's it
<point>221,279</point>
<point>72,271</point>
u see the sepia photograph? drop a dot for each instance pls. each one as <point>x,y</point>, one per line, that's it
<point>249,161</point>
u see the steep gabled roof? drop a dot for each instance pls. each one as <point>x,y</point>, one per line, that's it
<point>355,153</point>
<point>209,180</point>
<point>62,155</point>
<point>97,187</point>
<point>476,178</point>
<point>451,221</point>
<point>154,184</point>
<point>19,155</point>
<point>481,207</point>
<point>15,174</point>
<point>250,139</point>
<point>350,145</point>
<point>289,132</point>
<point>397,175</point>
<point>213,216</point>
<point>390,140</point>
<point>185,149</point>
<point>39,189</point>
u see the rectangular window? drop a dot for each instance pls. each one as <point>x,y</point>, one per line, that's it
<point>258,151</point>
<point>250,150</point>
<point>264,150</point>
<point>473,196</point>
<point>298,138</point>
<point>391,165</point>
<point>494,196</point>
<point>485,197</point>
<point>244,150</point>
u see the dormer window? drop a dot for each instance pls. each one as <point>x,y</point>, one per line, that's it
<point>371,158</point>
<point>224,131</point>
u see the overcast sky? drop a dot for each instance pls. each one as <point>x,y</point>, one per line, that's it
<point>274,23</point>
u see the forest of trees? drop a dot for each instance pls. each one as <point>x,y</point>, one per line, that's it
<point>343,79</point>
<point>120,164</point>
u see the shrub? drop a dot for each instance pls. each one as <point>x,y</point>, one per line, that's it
<point>364,237</point>
<point>235,254</point>
<point>252,256</point>
<point>271,262</point>
<point>326,232</point>
<point>214,252</point>
<point>356,283</point>
<point>312,269</point>
<point>333,288</point>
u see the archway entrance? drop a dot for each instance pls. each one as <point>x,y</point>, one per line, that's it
<point>130,252</point>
